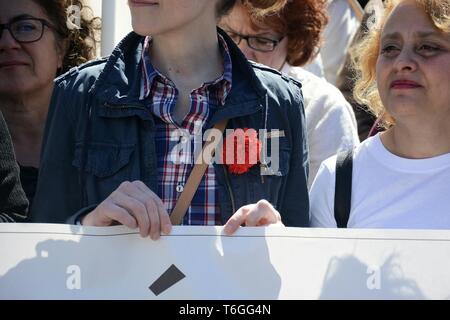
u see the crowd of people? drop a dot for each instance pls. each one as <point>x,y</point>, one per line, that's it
<point>353,114</point>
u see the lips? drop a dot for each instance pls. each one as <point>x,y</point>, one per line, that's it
<point>405,84</point>
<point>142,3</point>
<point>11,63</point>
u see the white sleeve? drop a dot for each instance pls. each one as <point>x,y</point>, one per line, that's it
<point>331,127</point>
<point>322,196</point>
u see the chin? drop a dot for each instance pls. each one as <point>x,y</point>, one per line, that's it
<point>144,30</point>
<point>144,26</point>
<point>13,87</point>
<point>399,108</point>
<point>11,91</point>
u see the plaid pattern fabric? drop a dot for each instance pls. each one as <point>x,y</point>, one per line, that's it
<point>175,141</point>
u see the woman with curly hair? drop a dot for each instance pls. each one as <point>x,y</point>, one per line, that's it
<point>398,178</point>
<point>36,45</point>
<point>286,38</point>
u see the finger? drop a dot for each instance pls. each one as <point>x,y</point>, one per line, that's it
<point>262,214</point>
<point>135,208</point>
<point>166,224</point>
<point>164,219</point>
<point>155,225</point>
<point>138,190</point>
<point>236,220</point>
<point>116,213</point>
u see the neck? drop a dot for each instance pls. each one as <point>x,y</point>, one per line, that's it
<point>181,56</point>
<point>425,139</point>
<point>26,116</point>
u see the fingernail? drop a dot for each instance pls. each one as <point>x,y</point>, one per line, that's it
<point>167,228</point>
<point>227,229</point>
<point>154,237</point>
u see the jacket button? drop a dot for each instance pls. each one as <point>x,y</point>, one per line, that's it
<point>180,188</point>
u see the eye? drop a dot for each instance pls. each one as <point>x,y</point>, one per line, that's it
<point>427,49</point>
<point>25,27</point>
<point>389,50</point>
<point>263,41</point>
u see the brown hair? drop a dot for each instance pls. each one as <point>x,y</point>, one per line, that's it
<point>301,21</point>
<point>79,44</point>
<point>365,55</point>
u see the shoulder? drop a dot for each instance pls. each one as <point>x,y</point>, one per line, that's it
<point>71,90</point>
<point>269,75</point>
<point>322,99</point>
<point>86,72</point>
<point>317,87</point>
<point>328,168</point>
<point>281,87</point>
<point>360,152</point>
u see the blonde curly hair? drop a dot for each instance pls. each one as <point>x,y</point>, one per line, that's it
<point>365,55</point>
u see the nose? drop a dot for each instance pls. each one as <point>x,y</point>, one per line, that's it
<point>7,41</point>
<point>247,51</point>
<point>405,61</point>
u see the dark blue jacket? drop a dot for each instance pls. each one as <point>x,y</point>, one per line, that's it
<point>99,134</point>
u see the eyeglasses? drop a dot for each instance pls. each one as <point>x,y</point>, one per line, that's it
<point>256,43</point>
<point>26,30</point>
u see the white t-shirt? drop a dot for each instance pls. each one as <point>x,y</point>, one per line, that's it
<point>388,191</point>
<point>330,120</point>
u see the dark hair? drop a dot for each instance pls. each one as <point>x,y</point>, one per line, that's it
<point>224,7</point>
<point>80,45</point>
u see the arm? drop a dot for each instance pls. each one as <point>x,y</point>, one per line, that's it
<point>331,127</point>
<point>58,194</point>
<point>13,202</point>
<point>322,196</point>
<point>295,203</point>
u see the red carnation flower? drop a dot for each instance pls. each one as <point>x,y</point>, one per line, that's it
<point>241,150</point>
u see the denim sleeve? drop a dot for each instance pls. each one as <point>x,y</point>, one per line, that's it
<point>295,205</point>
<point>58,194</point>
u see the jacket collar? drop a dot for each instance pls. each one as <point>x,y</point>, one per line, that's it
<point>120,81</point>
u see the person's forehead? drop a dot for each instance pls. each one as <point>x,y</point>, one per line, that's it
<point>239,19</point>
<point>408,17</point>
<point>11,9</point>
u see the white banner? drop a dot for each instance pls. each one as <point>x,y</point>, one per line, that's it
<point>69,262</point>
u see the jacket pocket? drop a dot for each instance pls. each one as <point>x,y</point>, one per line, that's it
<point>252,186</point>
<point>104,159</point>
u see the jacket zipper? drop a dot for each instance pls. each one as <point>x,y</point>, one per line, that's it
<point>230,191</point>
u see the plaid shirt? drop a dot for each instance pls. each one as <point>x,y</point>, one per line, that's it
<point>175,141</point>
